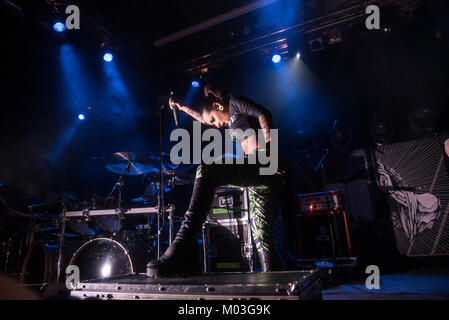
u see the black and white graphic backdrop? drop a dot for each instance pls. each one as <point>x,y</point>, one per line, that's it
<point>415,176</point>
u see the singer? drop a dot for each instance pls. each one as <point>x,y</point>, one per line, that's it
<point>223,109</point>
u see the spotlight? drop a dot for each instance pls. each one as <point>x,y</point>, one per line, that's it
<point>195,84</point>
<point>81,116</point>
<point>59,27</point>
<point>276,58</point>
<point>108,57</point>
<point>298,55</point>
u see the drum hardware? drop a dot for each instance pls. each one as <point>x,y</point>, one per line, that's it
<point>108,212</point>
<point>160,185</point>
<point>171,225</point>
<point>124,163</point>
<point>133,163</point>
<point>118,185</point>
<point>61,242</point>
<point>121,238</point>
<point>127,163</point>
<point>176,177</point>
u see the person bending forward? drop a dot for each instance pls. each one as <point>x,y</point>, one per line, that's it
<point>223,109</point>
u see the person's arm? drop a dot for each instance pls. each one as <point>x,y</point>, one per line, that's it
<point>255,110</point>
<point>265,125</point>
<point>194,114</point>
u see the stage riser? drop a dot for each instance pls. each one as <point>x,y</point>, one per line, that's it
<point>287,285</point>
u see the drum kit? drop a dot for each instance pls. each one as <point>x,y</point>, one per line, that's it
<point>102,237</point>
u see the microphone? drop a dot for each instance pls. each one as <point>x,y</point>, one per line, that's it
<point>175,111</point>
<point>175,115</point>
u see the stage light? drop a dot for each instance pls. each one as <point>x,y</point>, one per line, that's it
<point>276,58</point>
<point>195,84</point>
<point>108,57</point>
<point>81,116</point>
<point>59,27</point>
<point>316,44</point>
<point>298,55</point>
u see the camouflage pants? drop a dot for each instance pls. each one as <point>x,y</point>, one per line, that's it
<point>263,194</point>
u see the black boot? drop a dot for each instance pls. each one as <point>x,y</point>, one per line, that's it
<point>182,257</point>
<point>268,260</point>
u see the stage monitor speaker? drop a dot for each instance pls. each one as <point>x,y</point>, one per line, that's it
<point>227,247</point>
<point>227,237</point>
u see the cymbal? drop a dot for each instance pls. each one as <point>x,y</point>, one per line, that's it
<point>139,163</point>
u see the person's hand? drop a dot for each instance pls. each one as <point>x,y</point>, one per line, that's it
<point>172,102</point>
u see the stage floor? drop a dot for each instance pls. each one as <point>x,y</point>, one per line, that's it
<point>408,285</point>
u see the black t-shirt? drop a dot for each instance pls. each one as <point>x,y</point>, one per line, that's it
<point>244,114</point>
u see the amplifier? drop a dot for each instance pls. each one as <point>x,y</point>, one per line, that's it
<point>320,201</point>
<point>322,226</point>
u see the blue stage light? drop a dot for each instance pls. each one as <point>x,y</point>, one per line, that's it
<point>276,58</point>
<point>59,27</point>
<point>81,116</point>
<point>108,57</point>
<point>196,84</point>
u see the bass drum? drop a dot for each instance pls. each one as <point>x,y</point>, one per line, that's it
<point>104,257</point>
<point>41,262</point>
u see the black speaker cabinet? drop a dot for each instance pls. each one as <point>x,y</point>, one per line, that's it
<point>227,245</point>
<point>323,234</point>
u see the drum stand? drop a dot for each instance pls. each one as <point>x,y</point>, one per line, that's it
<point>63,220</point>
<point>160,189</point>
<point>118,185</point>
